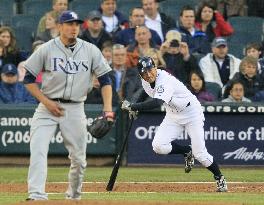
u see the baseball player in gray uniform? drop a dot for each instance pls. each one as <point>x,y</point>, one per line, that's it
<point>183,112</point>
<point>67,63</point>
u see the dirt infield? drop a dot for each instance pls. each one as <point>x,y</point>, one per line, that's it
<point>142,187</point>
<point>135,187</point>
<point>86,202</point>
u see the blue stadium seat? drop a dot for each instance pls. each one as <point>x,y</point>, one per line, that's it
<point>125,6</point>
<point>247,23</point>
<point>39,7</point>
<point>214,89</point>
<point>7,9</point>
<point>28,22</point>
<point>246,30</point>
<point>236,49</point>
<point>24,38</point>
<point>82,7</point>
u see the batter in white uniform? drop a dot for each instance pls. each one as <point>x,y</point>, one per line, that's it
<point>183,112</point>
<point>67,64</point>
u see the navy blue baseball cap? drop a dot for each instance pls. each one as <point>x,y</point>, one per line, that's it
<point>69,16</point>
<point>9,69</point>
<point>144,64</point>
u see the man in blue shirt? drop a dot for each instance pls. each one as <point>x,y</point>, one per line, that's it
<point>12,91</point>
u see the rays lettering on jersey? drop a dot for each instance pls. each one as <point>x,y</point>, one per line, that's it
<point>70,66</point>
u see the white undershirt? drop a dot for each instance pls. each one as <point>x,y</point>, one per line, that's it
<point>110,23</point>
<point>155,24</point>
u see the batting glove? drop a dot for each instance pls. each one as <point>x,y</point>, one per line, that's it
<point>126,105</point>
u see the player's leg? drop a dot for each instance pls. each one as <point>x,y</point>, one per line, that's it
<point>196,132</point>
<point>74,133</point>
<point>42,130</point>
<point>163,142</point>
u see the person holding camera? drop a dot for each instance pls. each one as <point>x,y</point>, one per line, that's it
<point>179,61</point>
<point>211,22</point>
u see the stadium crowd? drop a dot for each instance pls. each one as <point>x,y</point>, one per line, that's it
<point>197,47</point>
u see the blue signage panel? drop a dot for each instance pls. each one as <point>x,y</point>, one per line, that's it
<point>15,121</point>
<point>233,139</point>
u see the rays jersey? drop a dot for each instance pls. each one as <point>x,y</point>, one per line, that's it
<point>67,74</point>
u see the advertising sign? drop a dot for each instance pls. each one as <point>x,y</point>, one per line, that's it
<point>233,139</point>
<point>15,124</point>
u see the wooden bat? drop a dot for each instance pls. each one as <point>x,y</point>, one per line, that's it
<point>113,176</point>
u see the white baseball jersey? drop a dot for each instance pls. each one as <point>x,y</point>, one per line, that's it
<point>183,112</point>
<point>173,92</point>
<point>67,74</point>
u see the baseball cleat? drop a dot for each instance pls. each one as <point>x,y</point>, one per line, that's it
<point>189,161</point>
<point>221,185</point>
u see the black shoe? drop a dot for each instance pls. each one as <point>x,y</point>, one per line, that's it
<point>189,161</point>
<point>29,199</point>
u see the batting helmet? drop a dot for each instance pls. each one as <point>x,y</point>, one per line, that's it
<point>145,63</point>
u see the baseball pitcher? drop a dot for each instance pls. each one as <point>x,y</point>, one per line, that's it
<point>67,64</point>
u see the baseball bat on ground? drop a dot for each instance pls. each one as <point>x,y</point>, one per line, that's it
<point>113,176</point>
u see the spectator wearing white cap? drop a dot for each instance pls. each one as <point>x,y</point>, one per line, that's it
<point>95,32</point>
<point>179,61</point>
<point>219,66</point>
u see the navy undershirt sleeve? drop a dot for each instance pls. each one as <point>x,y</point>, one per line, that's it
<point>29,78</point>
<point>104,80</point>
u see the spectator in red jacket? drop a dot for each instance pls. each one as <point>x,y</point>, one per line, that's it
<point>212,22</point>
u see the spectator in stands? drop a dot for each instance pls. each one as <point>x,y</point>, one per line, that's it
<point>113,19</point>
<point>21,69</point>
<point>119,68</point>
<point>219,66</point>
<point>51,27</point>
<point>2,49</point>
<point>127,36</point>
<point>95,96</point>
<point>197,40</point>
<point>12,91</point>
<point>95,32</point>
<point>155,54</point>
<point>196,85</point>
<point>255,50</point>
<point>107,51</point>
<point>248,75</point>
<point>236,93</point>
<point>140,48</point>
<point>57,6</point>
<point>210,21</point>
<point>11,52</point>
<point>155,20</point>
<point>231,8</point>
<point>178,59</point>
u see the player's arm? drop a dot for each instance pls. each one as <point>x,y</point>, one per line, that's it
<point>147,105</point>
<point>106,91</point>
<point>32,87</point>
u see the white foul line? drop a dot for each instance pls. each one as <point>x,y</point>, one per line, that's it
<point>160,182</point>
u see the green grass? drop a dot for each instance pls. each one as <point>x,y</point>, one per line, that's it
<point>19,175</point>
<point>101,174</point>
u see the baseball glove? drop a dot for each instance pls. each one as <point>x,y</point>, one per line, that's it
<point>101,126</point>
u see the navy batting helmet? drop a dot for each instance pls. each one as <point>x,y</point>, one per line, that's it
<point>145,63</point>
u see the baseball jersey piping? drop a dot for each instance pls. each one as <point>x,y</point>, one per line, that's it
<point>66,74</point>
<point>75,52</point>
